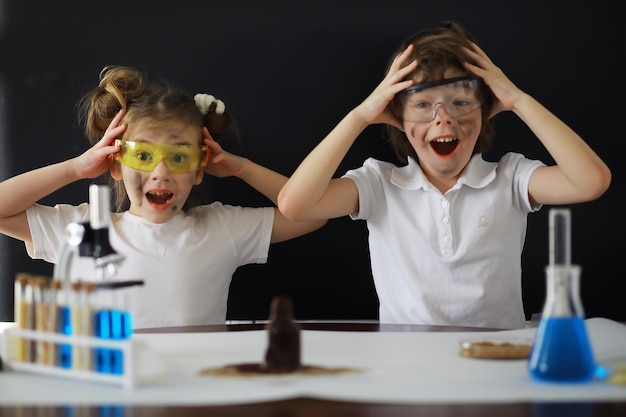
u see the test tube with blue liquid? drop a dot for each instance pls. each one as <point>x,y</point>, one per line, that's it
<point>103,330</point>
<point>120,330</point>
<point>112,321</point>
<point>561,350</point>
<point>64,323</point>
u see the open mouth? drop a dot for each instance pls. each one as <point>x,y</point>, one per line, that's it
<point>159,198</point>
<point>444,146</point>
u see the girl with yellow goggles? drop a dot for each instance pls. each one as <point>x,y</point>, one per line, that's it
<point>145,156</point>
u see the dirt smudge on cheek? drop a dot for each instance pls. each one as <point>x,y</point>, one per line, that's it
<point>136,179</point>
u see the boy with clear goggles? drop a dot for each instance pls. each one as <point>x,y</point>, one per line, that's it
<point>420,103</point>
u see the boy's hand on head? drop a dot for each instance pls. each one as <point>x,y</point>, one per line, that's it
<point>100,157</point>
<point>375,108</point>
<point>505,91</point>
<point>222,163</point>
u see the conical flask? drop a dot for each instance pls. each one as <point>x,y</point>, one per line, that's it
<point>561,350</point>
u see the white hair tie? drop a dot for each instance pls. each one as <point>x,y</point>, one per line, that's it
<point>204,101</point>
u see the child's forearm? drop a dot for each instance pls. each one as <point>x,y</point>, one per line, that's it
<point>264,180</point>
<point>22,191</point>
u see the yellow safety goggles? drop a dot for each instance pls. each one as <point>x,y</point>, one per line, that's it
<point>145,156</point>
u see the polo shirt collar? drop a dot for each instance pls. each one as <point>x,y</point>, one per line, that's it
<point>477,174</point>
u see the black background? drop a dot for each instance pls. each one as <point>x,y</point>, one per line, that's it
<point>289,71</point>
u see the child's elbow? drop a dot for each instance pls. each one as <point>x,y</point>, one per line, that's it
<point>604,180</point>
<point>601,183</point>
<point>288,208</point>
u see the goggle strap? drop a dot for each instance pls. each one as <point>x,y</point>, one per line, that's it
<point>430,84</point>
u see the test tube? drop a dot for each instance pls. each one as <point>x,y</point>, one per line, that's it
<point>40,288</point>
<point>76,312</point>
<point>87,321</point>
<point>31,324</point>
<point>114,322</point>
<point>21,313</point>
<point>102,330</point>
<point>52,320</point>
<point>64,321</point>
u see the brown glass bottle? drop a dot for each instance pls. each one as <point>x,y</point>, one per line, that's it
<point>283,351</point>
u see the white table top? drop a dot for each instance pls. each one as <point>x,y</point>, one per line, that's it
<point>396,367</point>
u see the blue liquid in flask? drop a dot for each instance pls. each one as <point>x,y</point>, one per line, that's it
<point>562,351</point>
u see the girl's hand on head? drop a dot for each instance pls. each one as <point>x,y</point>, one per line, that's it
<point>100,157</point>
<point>505,91</point>
<point>375,108</point>
<point>221,163</point>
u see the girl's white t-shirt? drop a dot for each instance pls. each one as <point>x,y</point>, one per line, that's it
<point>186,263</point>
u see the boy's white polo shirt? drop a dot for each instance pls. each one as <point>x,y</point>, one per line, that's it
<point>451,259</point>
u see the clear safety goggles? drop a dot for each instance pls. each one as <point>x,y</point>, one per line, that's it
<point>145,156</point>
<point>459,96</point>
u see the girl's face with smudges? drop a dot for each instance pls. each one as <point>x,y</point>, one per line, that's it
<point>158,196</point>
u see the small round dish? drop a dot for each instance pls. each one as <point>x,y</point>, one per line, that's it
<point>496,348</point>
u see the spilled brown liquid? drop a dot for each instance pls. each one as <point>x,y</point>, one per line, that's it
<point>251,369</point>
<point>282,355</point>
